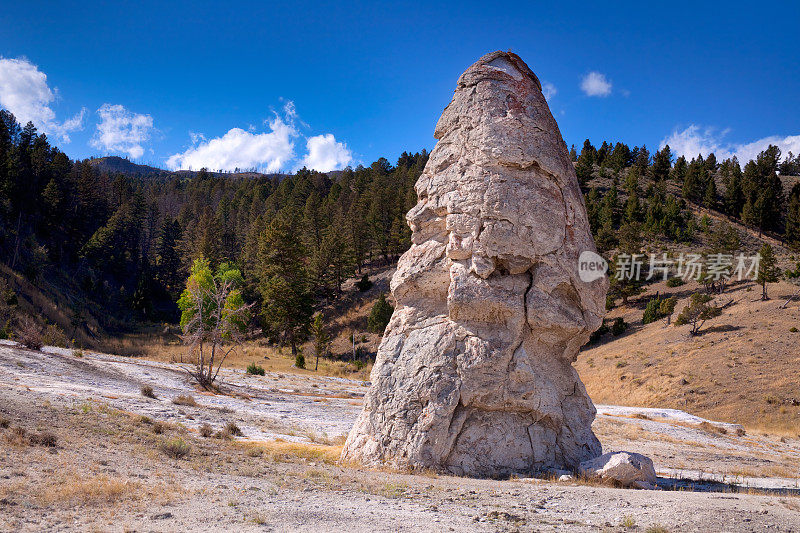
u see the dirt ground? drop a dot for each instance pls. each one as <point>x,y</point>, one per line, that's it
<point>123,462</point>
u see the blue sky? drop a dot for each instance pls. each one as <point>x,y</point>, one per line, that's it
<point>279,85</point>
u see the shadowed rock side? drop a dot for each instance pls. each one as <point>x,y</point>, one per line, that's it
<point>474,374</point>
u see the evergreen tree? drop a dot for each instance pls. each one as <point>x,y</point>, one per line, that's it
<point>710,194</point>
<point>586,161</point>
<point>642,161</point>
<point>678,172</point>
<point>283,283</point>
<point>732,179</point>
<point>662,163</point>
<point>380,315</point>
<point>768,271</point>
<point>632,205</point>
<point>321,338</point>
<point>793,217</point>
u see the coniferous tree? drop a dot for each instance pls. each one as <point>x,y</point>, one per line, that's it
<point>732,179</point>
<point>678,172</point>
<point>283,282</point>
<point>662,163</point>
<point>793,218</point>
<point>768,271</point>
<point>586,161</point>
<point>642,161</point>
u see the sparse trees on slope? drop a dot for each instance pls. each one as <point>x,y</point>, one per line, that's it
<point>699,309</point>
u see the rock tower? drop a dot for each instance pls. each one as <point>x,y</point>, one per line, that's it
<point>474,374</point>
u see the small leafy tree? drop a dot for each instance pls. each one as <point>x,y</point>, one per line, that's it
<point>213,318</point>
<point>380,315</point>
<point>321,338</point>
<point>697,311</point>
<point>768,271</point>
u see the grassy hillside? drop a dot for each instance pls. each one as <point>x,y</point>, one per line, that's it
<point>740,368</point>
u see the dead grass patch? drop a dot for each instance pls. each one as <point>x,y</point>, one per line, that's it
<point>280,450</point>
<point>186,400</point>
<point>89,490</point>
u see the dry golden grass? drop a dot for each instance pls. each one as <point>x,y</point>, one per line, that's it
<point>285,451</point>
<point>88,490</point>
<point>158,348</point>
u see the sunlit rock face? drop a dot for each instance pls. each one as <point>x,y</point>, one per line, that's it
<point>474,374</point>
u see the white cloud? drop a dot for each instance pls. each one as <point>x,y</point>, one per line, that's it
<point>695,140</point>
<point>271,151</point>
<point>596,84</point>
<point>548,90</point>
<point>122,131</point>
<point>24,92</point>
<point>326,154</point>
<point>268,152</point>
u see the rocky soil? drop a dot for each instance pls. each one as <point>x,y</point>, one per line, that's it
<point>110,469</point>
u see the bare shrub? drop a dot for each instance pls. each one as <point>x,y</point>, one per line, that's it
<point>711,428</point>
<point>206,430</point>
<point>17,436</point>
<point>159,428</point>
<point>4,422</point>
<point>147,392</point>
<point>185,400</point>
<point>44,438</point>
<point>232,429</point>
<point>175,448</point>
<point>29,334</point>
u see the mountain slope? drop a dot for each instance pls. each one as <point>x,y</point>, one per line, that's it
<point>741,367</point>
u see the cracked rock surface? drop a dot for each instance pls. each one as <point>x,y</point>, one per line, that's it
<point>474,374</point>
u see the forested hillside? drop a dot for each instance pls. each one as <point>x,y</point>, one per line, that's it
<point>120,247</point>
<point>112,250</point>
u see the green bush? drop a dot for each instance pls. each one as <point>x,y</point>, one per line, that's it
<point>380,315</point>
<point>618,327</point>
<point>255,369</point>
<point>300,360</point>
<point>609,302</point>
<point>175,448</point>
<point>675,282</point>
<point>651,311</point>
<point>793,329</point>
